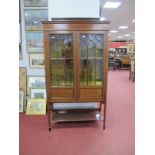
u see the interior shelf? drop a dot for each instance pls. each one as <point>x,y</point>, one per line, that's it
<point>72,116</point>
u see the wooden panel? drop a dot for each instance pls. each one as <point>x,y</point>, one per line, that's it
<point>75,27</point>
<point>90,93</point>
<point>62,92</point>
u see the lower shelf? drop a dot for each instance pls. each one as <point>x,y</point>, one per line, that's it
<point>69,116</point>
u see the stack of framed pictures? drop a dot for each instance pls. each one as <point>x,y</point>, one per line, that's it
<point>36,103</point>
<point>35,11</point>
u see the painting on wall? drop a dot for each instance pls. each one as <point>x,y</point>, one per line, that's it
<point>36,3</point>
<point>36,60</point>
<point>34,18</point>
<point>36,107</point>
<point>34,41</point>
<point>20,52</point>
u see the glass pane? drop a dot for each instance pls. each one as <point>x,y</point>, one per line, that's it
<point>61,59</point>
<point>91,57</point>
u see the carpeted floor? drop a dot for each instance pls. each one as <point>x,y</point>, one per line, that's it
<point>86,138</point>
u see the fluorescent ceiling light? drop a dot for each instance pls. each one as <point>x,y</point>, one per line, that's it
<point>112,5</point>
<point>127,35</point>
<point>119,37</point>
<point>113,31</point>
<point>123,27</point>
<point>102,18</point>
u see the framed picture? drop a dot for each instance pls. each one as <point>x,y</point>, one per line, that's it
<point>22,82</point>
<point>37,93</point>
<point>20,52</point>
<point>22,78</point>
<point>38,3</point>
<point>34,41</point>
<point>35,82</point>
<point>21,101</point>
<point>130,48</point>
<point>36,107</point>
<point>36,60</point>
<point>34,17</point>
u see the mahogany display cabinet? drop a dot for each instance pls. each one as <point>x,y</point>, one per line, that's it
<point>76,65</point>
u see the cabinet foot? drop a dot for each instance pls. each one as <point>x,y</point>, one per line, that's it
<point>49,129</point>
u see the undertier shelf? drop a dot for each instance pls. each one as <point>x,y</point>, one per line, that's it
<point>72,116</point>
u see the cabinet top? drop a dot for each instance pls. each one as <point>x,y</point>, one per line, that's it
<point>74,21</point>
<point>78,24</point>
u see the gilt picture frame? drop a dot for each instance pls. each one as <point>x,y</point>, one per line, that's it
<point>36,107</point>
<point>23,82</point>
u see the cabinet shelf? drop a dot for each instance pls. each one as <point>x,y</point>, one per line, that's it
<point>91,58</point>
<point>61,58</point>
<point>77,116</point>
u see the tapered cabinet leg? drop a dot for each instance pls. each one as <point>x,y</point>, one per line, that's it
<point>49,119</point>
<point>104,119</point>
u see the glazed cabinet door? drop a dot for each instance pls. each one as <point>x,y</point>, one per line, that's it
<point>91,66</point>
<point>61,66</point>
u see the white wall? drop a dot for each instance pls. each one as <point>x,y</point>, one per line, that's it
<point>74,8</point>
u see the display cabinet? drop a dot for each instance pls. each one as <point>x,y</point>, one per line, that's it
<point>76,64</point>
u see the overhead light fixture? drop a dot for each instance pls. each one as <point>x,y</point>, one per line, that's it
<point>127,35</point>
<point>102,18</point>
<point>133,21</point>
<point>112,5</point>
<point>119,37</point>
<point>123,27</point>
<point>113,31</point>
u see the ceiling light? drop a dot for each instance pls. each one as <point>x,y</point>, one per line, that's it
<point>113,31</point>
<point>127,35</point>
<point>112,5</point>
<point>119,37</point>
<point>133,21</point>
<point>102,18</point>
<point>123,27</point>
